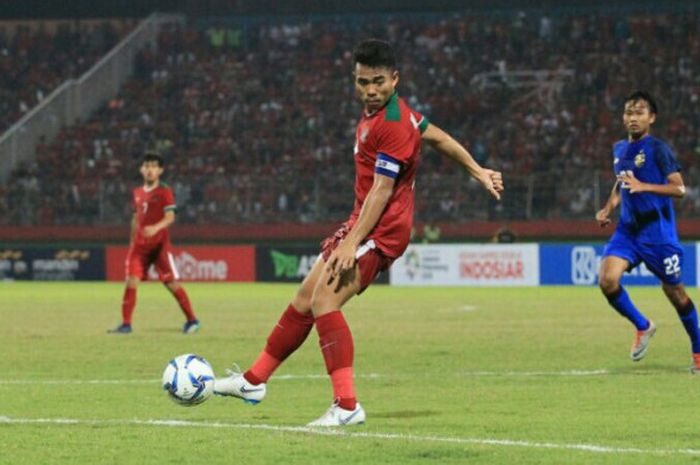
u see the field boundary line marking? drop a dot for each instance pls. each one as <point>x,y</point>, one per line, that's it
<point>593,448</point>
<point>156,381</point>
<point>289,377</point>
<point>537,373</point>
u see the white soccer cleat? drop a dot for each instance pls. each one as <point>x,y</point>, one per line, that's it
<point>336,416</point>
<point>641,342</point>
<point>235,385</point>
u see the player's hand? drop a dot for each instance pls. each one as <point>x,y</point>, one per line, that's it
<point>603,217</point>
<point>150,231</point>
<point>628,181</point>
<point>341,260</point>
<point>492,182</point>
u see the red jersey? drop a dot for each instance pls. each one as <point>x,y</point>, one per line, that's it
<point>150,206</point>
<point>388,142</point>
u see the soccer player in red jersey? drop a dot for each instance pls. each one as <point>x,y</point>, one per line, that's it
<point>387,153</point>
<point>154,211</point>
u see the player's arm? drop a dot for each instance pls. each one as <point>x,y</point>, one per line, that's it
<point>674,188</point>
<point>343,257</point>
<point>134,227</point>
<point>603,215</point>
<point>168,219</point>
<point>447,145</point>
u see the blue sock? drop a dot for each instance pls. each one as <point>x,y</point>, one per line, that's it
<point>621,302</point>
<point>689,318</point>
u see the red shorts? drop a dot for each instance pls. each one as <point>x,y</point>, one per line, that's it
<point>370,259</point>
<point>140,258</point>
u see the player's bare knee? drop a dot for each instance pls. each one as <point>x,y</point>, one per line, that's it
<point>302,299</point>
<point>678,297</point>
<point>609,284</point>
<point>316,300</point>
<point>302,302</point>
<point>321,302</point>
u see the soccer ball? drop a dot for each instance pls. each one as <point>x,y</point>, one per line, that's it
<point>188,379</point>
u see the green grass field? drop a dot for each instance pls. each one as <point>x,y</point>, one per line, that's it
<point>447,376</point>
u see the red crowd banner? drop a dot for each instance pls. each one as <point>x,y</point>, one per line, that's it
<point>195,263</point>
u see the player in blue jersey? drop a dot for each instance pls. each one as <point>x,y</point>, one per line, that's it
<point>648,177</point>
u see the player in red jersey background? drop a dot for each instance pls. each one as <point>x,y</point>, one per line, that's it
<point>387,154</point>
<point>154,211</point>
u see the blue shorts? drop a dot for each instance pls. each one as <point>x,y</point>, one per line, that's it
<point>664,260</point>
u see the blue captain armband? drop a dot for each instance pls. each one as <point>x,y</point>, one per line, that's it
<point>387,166</point>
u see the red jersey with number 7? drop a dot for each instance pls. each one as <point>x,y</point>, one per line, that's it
<point>150,206</point>
<point>388,142</point>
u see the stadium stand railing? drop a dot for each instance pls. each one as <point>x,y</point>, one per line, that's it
<point>75,100</point>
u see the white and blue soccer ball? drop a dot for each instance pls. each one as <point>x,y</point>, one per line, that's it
<point>188,379</point>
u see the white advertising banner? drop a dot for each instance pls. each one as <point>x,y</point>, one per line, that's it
<point>467,265</point>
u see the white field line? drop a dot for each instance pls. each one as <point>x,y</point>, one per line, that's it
<point>155,381</point>
<point>600,372</point>
<point>476,374</point>
<point>467,308</point>
<point>593,448</point>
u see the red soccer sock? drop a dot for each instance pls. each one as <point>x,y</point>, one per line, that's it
<point>184,301</point>
<point>344,388</point>
<point>338,350</point>
<point>262,369</point>
<point>128,304</point>
<point>288,334</point>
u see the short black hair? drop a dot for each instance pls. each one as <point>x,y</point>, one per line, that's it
<point>638,95</point>
<point>153,157</point>
<point>374,53</point>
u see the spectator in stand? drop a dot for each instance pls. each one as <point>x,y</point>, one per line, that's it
<point>199,102</point>
<point>34,62</point>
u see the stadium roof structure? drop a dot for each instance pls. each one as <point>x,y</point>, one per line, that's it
<point>27,9</point>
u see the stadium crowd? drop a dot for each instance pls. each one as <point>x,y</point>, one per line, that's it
<point>256,120</point>
<point>34,62</point>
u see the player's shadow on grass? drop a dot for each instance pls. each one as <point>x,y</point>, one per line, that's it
<point>406,414</point>
<point>166,330</point>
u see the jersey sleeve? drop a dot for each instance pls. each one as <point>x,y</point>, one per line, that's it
<point>666,160</point>
<point>395,142</point>
<point>615,155</point>
<point>419,121</point>
<point>169,200</point>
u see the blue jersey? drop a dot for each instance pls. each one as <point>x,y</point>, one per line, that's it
<point>646,217</point>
